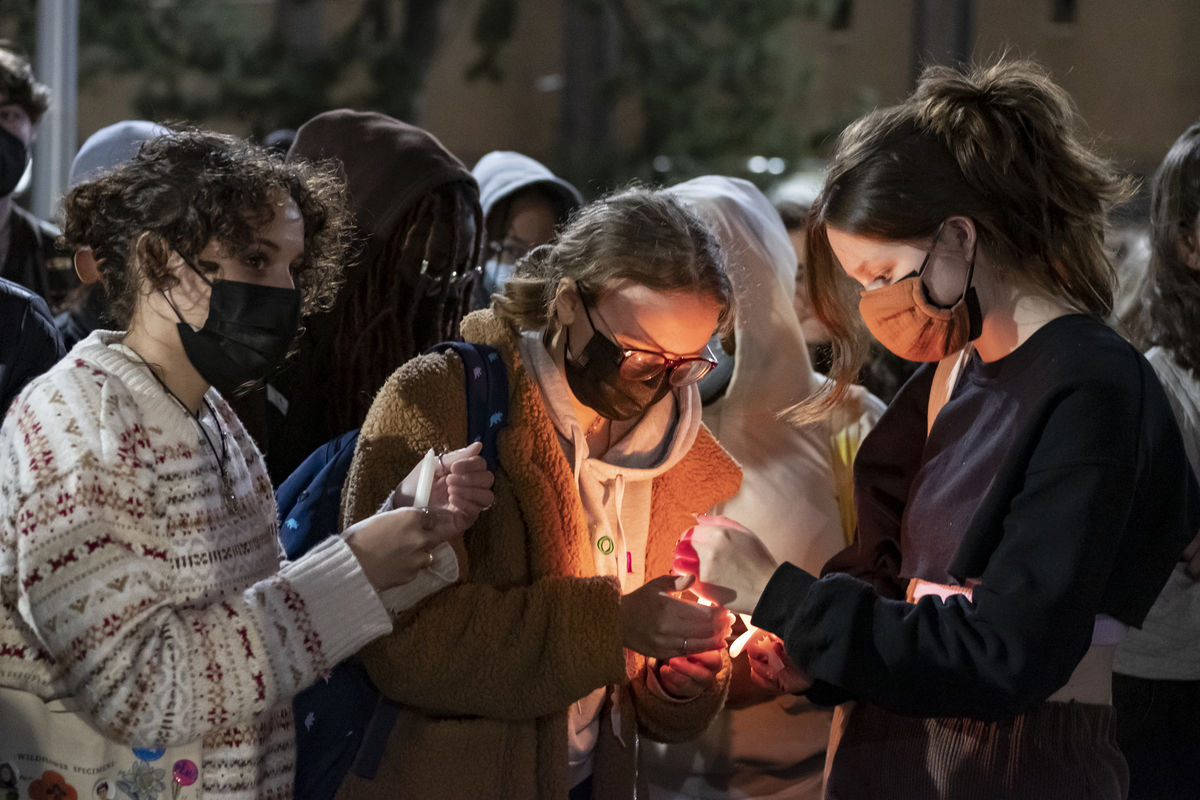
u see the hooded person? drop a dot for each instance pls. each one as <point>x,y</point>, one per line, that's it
<point>523,203</point>
<point>28,252</point>
<point>104,150</point>
<point>417,222</point>
<point>796,492</point>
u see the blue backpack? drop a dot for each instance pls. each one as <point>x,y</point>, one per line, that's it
<point>343,722</point>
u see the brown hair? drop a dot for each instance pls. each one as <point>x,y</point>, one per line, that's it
<point>639,235</point>
<point>1174,308</point>
<point>187,188</point>
<point>20,88</point>
<point>994,143</point>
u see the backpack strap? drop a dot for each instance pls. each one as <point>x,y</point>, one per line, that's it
<point>486,380</point>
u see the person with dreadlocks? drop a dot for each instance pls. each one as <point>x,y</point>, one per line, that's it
<point>417,219</point>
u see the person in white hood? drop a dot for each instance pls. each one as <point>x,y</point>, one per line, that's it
<point>796,494</point>
<point>523,203</point>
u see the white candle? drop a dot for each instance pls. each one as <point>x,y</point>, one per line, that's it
<point>740,643</point>
<point>425,480</point>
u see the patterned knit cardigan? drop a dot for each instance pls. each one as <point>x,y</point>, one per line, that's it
<point>128,582</point>
<point>487,669</point>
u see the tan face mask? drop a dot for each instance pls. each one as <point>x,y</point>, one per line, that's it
<point>904,320</point>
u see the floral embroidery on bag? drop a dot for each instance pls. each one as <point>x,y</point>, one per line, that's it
<point>52,786</point>
<point>142,781</point>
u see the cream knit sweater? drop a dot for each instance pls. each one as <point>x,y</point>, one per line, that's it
<point>128,582</point>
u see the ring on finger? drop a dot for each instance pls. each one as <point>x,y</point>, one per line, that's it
<point>429,554</point>
<point>685,647</point>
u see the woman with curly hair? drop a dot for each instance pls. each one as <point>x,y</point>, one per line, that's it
<point>1025,495</point>
<point>140,570</point>
<point>1156,673</point>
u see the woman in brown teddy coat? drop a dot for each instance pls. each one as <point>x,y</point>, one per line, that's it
<point>565,640</point>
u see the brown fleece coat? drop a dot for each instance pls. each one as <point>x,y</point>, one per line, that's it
<point>487,668</point>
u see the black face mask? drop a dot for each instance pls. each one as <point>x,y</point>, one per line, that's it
<point>14,156</point>
<point>596,382</point>
<point>249,330</point>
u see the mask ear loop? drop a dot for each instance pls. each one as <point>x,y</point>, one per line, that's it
<point>567,331</point>
<point>171,302</point>
<point>962,295</point>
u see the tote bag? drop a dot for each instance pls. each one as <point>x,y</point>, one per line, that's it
<point>49,752</point>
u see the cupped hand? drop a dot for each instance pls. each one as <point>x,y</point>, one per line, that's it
<point>394,546</point>
<point>656,624</point>
<point>686,677</point>
<point>732,566</point>
<point>772,668</point>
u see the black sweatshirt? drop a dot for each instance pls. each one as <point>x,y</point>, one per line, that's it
<point>1055,476</point>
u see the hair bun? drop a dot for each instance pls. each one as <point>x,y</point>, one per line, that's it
<point>998,113</point>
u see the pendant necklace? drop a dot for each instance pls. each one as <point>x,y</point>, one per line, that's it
<point>227,493</point>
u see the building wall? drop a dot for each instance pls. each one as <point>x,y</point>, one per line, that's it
<point>1132,68</point>
<point>521,112</point>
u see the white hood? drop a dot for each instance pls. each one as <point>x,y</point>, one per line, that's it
<point>790,483</point>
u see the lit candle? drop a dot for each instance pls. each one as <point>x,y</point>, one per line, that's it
<point>740,643</point>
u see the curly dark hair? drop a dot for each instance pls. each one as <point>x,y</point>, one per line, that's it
<point>20,88</point>
<point>190,187</point>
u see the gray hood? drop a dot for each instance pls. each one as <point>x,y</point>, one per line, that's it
<point>502,173</point>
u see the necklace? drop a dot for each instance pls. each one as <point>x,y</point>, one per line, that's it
<point>227,493</point>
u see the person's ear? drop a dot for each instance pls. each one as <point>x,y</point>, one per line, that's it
<point>87,266</point>
<point>960,233</point>
<point>566,302</point>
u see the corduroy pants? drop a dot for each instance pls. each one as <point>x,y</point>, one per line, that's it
<point>1061,751</point>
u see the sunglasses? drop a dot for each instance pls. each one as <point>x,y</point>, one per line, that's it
<point>642,365</point>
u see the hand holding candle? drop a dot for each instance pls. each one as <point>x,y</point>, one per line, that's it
<point>655,623</point>
<point>731,564</point>
<point>457,481</point>
<point>438,501</point>
<point>771,667</point>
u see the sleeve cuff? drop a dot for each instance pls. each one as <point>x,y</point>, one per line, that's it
<point>439,575</point>
<point>345,610</point>
<point>782,595</point>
